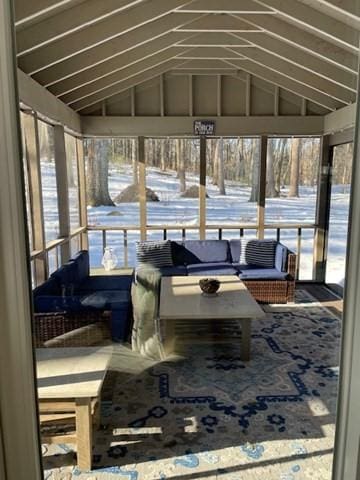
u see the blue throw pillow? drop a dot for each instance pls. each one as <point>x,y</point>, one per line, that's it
<point>154,254</point>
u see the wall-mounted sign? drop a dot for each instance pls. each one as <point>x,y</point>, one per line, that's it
<point>204,127</point>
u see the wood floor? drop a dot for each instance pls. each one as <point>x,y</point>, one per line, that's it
<point>324,295</point>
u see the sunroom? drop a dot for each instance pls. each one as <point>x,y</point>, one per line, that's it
<point>176,245</point>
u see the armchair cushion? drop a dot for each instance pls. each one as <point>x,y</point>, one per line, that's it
<point>281,254</point>
<point>105,282</point>
<point>260,253</point>
<point>81,260</point>
<point>262,274</point>
<point>156,254</point>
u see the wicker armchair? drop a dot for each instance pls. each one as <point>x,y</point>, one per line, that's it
<point>64,329</point>
<point>275,291</point>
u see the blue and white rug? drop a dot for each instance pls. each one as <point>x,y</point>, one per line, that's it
<point>210,415</point>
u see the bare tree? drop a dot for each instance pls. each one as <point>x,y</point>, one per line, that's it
<point>294,167</point>
<point>98,173</point>
<point>181,162</point>
<point>270,174</point>
<point>221,177</point>
<point>255,171</point>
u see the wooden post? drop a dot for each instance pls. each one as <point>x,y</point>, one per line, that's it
<point>219,96</point>
<point>202,189</point>
<point>303,107</point>
<point>191,96</point>
<point>322,211</point>
<point>162,96</point>
<point>133,101</point>
<point>32,150</point>
<point>142,187</point>
<point>62,190</point>
<point>276,100</point>
<point>248,95</point>
<point>262,186</point>
<point>84,241</point>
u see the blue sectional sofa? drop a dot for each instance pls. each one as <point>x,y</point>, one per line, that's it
<point>267,267</point>
<point>71,289</point>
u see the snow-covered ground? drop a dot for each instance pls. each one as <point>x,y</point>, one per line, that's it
<point>230,209</point>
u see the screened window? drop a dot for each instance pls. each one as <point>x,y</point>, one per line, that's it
<point>73,181</point>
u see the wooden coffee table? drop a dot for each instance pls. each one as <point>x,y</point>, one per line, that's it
<point>181,300</point>
<point>69,382</point>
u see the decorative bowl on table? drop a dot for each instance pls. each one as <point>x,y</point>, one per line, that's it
<point>209,286</point>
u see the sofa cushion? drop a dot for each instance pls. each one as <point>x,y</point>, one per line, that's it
<point>81,260</point>
<point>179,270</point>
<point>207,251</point>
<point>261,253</point>
<point>239,267</point>
<point>235,250</point>
<point>66,275</point>
<point>208,269</point>
<point>50,287</point>
<point>156,254</point>
<point>56,303</point>
<point>262,274</point>
<point>107,299</point>
<point>281,253</point>
<point>105,282</point>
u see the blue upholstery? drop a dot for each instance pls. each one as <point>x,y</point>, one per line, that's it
<point>218,268</point>
<point>208,251</point>
<point>235,250</point>
<point>281,253</point>
<point>57,303</point>
<point>263,274</point>
<point>81,260</point>
<point>239,267</point>
<point>50,287</point>
<point>107,299</point>
<point>179,270</point>
<point>66,275</point>
<point>105,282</point>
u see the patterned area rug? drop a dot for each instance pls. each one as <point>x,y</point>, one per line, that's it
<point>207,414</point>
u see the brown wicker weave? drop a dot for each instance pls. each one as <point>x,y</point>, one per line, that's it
<point>275,291</point>
<point>50,325</point>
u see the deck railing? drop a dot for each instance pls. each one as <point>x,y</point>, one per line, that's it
<point>221,231</point>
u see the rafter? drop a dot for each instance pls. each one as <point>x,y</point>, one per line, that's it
<point>346,11</point>
<point>304,40</point>
<point>200,64</point>
<point>66,22</point>
<point>215,39</point>
<point>210,53</point>
<point>217,23</point>
<point>125,84</point>
<point>300,75</point>
<point>322,25</point>
<point>225,6</point>
<point>113,48</point>
<point>297,56</point>
<point>119,76</point>
<point>117,63</point>
<point>96,34</point>
<point>289,84</point>
<point>26,11</point>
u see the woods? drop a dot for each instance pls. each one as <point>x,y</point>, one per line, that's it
<point>291,163</point>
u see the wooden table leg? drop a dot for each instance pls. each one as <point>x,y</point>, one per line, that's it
<point>245,339</point>
<point>83,432</point>
<point>169,337</point>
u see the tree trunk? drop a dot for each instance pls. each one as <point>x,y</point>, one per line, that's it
<point>181,161</point>
<point>134,161</point>
<point>215,160</point>
<point>270,180</point>
<point>221,179</point>
<point>294,168</point>
<point>98,174</point>
<point>255,172</point>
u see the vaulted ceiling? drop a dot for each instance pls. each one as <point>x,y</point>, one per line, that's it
<point>86,52</point>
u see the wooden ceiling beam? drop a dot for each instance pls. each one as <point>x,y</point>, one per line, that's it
<point>117,63</point>
<point>298,57</point>
<point>214,39</point>
<point>202,64</point>
<point>285,82</point>
<point>27,11</point>
<point>67,22</point>
<point>119,76</point>
<point>300,75</point>
<point>319,23</point>
<point>111,49</point>
<point>346,11</point>
<point>125,84</point>
<point>96,34</point>
<point>306,41</point>
<point>218,23</point>
<point>210,53</point>
<point>225,6</point>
